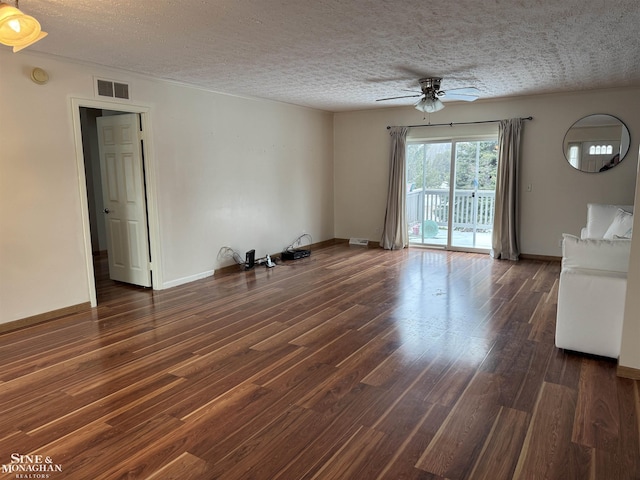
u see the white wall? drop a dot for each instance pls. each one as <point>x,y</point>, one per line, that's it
<point>557,202</point>
<point>629,351</point>
<point>230,172</point>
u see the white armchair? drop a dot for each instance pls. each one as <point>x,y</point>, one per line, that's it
<point>593,282</point>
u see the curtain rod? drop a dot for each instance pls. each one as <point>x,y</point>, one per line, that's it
<point>459,123</point>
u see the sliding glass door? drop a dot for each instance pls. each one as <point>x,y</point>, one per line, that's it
<point>451,193</point>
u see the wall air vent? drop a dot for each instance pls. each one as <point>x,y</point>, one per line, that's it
<point>120,90</point>
<point>112,89</point>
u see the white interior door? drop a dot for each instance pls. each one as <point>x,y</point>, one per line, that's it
<point>123,190</point>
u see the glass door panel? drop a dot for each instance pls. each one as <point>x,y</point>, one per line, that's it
<point>428,192</point>
<point>474,194</point>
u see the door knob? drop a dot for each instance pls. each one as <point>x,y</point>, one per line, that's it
<point>106,210</point>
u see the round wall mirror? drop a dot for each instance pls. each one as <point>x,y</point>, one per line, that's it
<point>596,143</point>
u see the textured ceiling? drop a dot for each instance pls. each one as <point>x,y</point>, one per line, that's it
<point>341,55</point>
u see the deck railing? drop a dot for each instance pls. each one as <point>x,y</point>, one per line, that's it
<point>470,208</point>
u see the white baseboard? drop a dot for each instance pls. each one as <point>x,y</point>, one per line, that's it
<point>190,278</point>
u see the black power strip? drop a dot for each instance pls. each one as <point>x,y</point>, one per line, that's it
<point>295,254</point>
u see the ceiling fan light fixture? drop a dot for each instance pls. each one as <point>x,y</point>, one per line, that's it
<point>430,101</point>
<point>18,30</point>
<point>429,105</point>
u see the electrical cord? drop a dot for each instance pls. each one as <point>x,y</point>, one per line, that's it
<point>228,252</point>
<point>298,241</point>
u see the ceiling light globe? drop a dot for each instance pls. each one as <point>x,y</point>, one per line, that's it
<point>420,105</point>
<point>17,29</point>
<point>435,105</point>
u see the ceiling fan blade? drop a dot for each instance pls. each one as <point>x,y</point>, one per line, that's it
<point>460,96</point>
<point>395,98</point>
<point>463,91</point>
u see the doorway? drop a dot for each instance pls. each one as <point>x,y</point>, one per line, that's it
<point>86,113</point>
<point>451,193</point>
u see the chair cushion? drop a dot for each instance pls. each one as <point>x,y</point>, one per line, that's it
<point>600,217</point>
<point>595,254</point>
<point>621,227</point>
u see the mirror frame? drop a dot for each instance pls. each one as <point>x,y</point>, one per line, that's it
<point>611,161</point>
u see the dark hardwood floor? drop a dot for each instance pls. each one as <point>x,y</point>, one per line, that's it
<point>352,364</point>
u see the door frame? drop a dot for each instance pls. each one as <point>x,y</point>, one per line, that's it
<point>150,181</point>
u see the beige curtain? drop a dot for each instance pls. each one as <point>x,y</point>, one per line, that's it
<point>506,221</point>
<point>394,234</point>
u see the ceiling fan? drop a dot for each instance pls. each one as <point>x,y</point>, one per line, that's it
<point>431,93</point>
